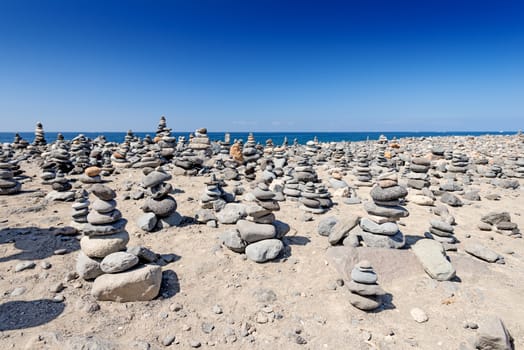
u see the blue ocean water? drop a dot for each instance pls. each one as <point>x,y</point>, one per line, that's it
<point>261,137</point>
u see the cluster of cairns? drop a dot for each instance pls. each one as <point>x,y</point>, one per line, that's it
<point>212,201</point>
<point>159,206</point>
<point>260,236</point>
<point>365,294</point>
<point>380,229</point>
<point>39,135</point>
<point>502,223</point>
<point>118,275</point>
<point>8,184</point>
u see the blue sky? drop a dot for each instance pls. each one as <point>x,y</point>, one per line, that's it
<point>262,65</point>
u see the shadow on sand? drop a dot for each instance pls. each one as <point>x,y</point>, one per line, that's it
<point>20,314</point>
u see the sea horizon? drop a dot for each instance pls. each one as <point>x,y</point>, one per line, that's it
<point>260,136</point>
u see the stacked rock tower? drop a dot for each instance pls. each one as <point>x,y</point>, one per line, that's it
<point>366,294</point>
<point>117,274</point>
<point>385,209</point>
<point>160,206</point>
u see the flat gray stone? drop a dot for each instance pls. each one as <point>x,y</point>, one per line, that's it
<point>118,262</point>
<point>264,250</point>
<point>482,252</point>
<point>387,228</point>
<point>147,222</point>
<point>432,256</point>
<point>342,228</point>
<point>253,232</point>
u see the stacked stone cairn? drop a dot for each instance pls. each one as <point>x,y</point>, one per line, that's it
<point>80,209</point>
<point>80,151</point>
<point>225,145</point>
<point>250,157</point>
<point>260,236</point>
<point>19,142</point>
<point>380,158</point>
<point>362,170</point>
<point>8,184</point>
<point>118,275</point>
<point>380,229</point>
<point>61,188</point>
<point>159,207</point>
<point>91,175</point>
<point>419,180</point>
<point>502,223</point>
<point>200,142</point>
<point>212,201</point>
<point>164,140</point>
<point>315,198</point>
<point>366,294</point>
<point>441,231</point>
<point>39,135</point>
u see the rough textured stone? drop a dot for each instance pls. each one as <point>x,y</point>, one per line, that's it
<point>432,256</point>
<point>342,228</point>
<point>140,284</point>
<point>118,262</point>
<point>252,232</point>
<point>87,268</point>
<point>264,250</point>
<point>100,246</point>
<point>493,335</point>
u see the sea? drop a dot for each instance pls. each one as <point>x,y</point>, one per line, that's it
<point>261,137</point>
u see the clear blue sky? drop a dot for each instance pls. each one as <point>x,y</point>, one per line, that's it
<point>263,65</point>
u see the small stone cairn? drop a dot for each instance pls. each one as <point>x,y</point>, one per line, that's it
<point>118,275</point>
<point>362,170</point>
<point>39,135</point>
<point>8,184</point>
<point>159,207</point>
<point>502,223</point>
<point>381,229</point>
<point>260,236</point>
<point>366,294</point>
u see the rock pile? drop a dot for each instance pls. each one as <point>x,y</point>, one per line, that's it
<point>61,188</point>
<point>160,207</point>
<point>8,185</point>
<point>366,294</point>
<point>250,156</point>
<point>441,231</point>
<point>117,275</point>
<point>260,236</point>
<point>381,229</point>
<point>200,142</point>
<point>362,170</point>
<point>39,135</point>
<point>502,223</point>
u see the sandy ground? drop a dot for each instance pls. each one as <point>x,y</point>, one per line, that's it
<point>307,306</point>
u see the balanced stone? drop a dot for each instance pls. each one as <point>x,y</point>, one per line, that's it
<point>118,262</point>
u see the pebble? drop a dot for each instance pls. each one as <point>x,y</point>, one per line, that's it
<point>45,265</point>
<point>195,344</point>
<point>24,266</point>
<point>18,291</point>
<point>419,315</point>
<point>57,288</point>
<point>217,309</point>
<point>207,327</point>
<point>168,340</point>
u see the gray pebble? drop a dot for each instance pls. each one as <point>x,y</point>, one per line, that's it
<point>24,266</point>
